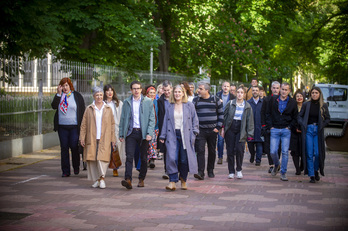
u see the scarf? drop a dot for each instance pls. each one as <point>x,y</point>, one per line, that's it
<point>63,106</point>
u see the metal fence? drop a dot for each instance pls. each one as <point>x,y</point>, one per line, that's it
<point>27,88</point>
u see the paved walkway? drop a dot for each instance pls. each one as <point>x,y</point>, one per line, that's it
<point>34,196</point>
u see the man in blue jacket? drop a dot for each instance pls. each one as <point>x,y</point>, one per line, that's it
<point>137,124</point>
<point>256,104</point>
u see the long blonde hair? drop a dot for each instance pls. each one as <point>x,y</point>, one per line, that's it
<point>184,98</point>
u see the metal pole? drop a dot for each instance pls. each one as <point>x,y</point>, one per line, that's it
<point>232,72</point>
<point>40,108</point>
<point>151,66</point>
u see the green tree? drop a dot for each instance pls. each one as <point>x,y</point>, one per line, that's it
<point>118,32</point>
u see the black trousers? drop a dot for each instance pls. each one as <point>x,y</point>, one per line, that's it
<point>134,139</point>
<point>163,149</point>
<point>206,136</point>
<point>267,147</point>
<point>235,149</point>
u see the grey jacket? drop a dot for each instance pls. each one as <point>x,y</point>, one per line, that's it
<point>189,130</point>
<point>247,124</point>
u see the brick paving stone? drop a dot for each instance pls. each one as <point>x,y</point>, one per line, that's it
<point>34,196</point>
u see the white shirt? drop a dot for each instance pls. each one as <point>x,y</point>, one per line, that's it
<point>136,112</point>
<point>256,101</point>
<point>178,119</point>
<point>98,119</point>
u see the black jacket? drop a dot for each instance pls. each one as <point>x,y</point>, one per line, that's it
<point>265,102</point>
<point>230,97</point>
<point>287,119</point>
<point>161,112</point>
<point>80,104</point>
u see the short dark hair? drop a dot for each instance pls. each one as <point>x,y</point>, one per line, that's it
<point>135,82</point>
<point>167,83</point>
<point>285,84</point>
<point>253,79</point>
<point>256,87</point>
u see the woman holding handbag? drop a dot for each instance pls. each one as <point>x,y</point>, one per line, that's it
<point>110,98</point>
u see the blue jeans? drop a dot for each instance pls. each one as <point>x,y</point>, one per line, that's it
<point>69,138</point>
<point>312,149</point>
<point>220,146</point>
<point>283,135</point>
<point>181,160</point>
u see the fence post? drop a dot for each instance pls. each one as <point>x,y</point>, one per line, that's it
<point>39,114</point>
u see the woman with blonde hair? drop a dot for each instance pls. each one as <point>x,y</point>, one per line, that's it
<point>179,131</point>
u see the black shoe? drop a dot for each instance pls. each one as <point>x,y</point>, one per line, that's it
<point>317,177</point>
<point>211,174</point>
<point>312,180</point>
<point>199,176</point>
<point>270,169</point>
<point>152,164</point>
<point>298,172</point>
<point>252,158</point>
<point>165,176</point>
<point>65,175</point>
<point>257,164</point>
<point>76,172</point>
<point>275,170</point>
<point>84,166</point>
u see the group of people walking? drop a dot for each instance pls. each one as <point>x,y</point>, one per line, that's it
<point>177,123</point>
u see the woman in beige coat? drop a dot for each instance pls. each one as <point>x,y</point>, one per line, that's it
<point>97,132</point>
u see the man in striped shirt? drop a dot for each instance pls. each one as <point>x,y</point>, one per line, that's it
<point>210,116</point>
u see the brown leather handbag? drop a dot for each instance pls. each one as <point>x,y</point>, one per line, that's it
<point>115,160</point>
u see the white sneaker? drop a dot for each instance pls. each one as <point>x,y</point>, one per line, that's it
<point>96,184</point>
<point>231,176</point>
<point>239,175</point>
<point>102,184</point>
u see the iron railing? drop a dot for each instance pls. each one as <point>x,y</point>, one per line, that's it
<point>27,87</point>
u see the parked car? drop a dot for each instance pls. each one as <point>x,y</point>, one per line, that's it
<point>335,96</point>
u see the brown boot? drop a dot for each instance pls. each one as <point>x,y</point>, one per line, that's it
<point>183,184</point>
<point>171,186</point>
<point>127,183</point>
<point>141,183</point>
<point>115,172</point>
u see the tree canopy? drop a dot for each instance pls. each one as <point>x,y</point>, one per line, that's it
<point>269,39</point>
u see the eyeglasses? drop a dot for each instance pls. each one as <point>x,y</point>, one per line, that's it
<point>136,89</point>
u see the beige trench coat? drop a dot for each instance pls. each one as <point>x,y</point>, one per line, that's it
<point>88,133</point>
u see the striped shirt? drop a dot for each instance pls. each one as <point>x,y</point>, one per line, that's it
<point>239,111</point>
<point>209,112</point>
